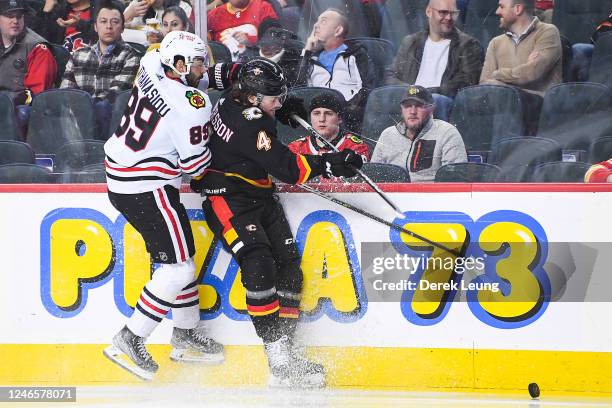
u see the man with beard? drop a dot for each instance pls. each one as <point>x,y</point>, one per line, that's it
<point>440,58</point>
<point>420,143</point>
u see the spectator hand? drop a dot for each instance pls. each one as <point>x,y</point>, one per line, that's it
<point>533,57</point>
<point>154,36</point>
<point>293,105</point>
<point>136,8</point>
<point>341,164</point>
<point>67,23</point>
<point>241,37</point>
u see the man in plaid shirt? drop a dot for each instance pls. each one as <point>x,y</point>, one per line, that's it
<point>106,68</point>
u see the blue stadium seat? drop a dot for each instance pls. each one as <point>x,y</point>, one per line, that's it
<point>384,173</point>
<point>24,173</point>
<point>481,21</point>
<point>485,114</point>
<point>600,149</point>
<point>468,173</point>
<point>59,116</point>
<point>560,172</point>
<point>12,151</point>
<point>74,156</point>
<point>518,156</point>
<point>575,113</point>
<point>7,118</point>
<point>577,19</point>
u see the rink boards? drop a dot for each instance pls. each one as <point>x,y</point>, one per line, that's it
<point>73,270</point>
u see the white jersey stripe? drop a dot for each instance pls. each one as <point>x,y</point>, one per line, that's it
<point>174,225</point>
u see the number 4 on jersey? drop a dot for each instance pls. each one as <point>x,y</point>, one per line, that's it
<point>263,141</point>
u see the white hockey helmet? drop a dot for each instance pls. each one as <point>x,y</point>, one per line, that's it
<point>182,44</point>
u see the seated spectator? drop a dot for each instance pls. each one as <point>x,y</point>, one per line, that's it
<point>326,118</point>
<point>599,173</point>
<point>528,55</point>
<point>27,65</point>
<point>441,58</point>
<point>107,67</point>
<point>236,24</point>
<point>144,18</point>
<point>604,27</point>
<point>419,143</point>
<point>283,47</point>
<point>69,23</point>
<point>328,62</point>
<point>544,10</point>
<point>173,19</point>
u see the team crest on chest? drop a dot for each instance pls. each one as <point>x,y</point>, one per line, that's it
<point>252,113</point>
<point>196,99</point>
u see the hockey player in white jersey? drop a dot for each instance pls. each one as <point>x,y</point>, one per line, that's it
<point>162,135</point>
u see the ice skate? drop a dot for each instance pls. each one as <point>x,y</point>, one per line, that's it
<point>313,373</point>
<point>129,352</point>
<point>190,345</point>
<point>289,372</point>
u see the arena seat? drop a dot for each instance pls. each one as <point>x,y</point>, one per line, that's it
<point>12,151</point>
<point>576,113</point>
<point>518,156</point>
<point>468,173</point>
<point>74,156</point>
<point>485,114</point>
<point>25,173</point>
<point>7,119</point>
<point>560,172</point>
<point>59,116</point>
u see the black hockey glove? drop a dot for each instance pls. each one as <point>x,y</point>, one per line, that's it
<point>293,105</point>
<point>341,164</point>
<point>197,185</point>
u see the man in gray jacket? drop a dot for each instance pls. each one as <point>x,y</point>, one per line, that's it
<point>420,143</point>
<point>441,58</point>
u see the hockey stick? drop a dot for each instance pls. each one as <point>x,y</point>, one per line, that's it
<point>365,178</point>
<point>378,219</point>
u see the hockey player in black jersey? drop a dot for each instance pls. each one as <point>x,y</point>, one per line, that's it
<point>242,210</point>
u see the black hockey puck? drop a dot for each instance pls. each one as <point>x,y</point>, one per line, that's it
<point>534,390</point>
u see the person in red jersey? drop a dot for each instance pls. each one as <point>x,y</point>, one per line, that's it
<point>599,173</point>
<point>236,24</point>
<point>326,118</point>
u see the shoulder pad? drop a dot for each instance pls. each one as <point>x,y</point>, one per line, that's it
<point>252,113</point>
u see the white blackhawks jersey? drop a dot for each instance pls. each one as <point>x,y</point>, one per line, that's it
<point>162,133</point>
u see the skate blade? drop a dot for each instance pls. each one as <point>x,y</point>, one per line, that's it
<point>194,356</point>
<point>311,381</point>
<point>122,360</point>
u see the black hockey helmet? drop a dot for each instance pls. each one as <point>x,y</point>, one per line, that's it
<point>262,77</point>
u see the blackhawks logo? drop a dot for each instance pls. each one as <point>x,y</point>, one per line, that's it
<point>196,99</point>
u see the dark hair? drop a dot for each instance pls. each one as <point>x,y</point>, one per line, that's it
<point>344,21</point>
<point>180,13</point>
<point>110,5</point>
<point>240,95</point>
<point>529,5</point>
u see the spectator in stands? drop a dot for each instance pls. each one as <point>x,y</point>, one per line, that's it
<point>328,62</point>
<point>419,143</point>
<point>283,47</point>
<point>544,10</point>
<point>70,23</point>
<point>599,173</point>
<point>326,118</point>
<point>604,27</point>
<point>107,67</point>
<point>528,55</point>
<point>236,24</point>
<point>144,18</point>
<point>441,58</point>
<point>174,18</point>
<point>27,65</point>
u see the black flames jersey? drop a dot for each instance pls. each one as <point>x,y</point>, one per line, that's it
<point>246,153</point>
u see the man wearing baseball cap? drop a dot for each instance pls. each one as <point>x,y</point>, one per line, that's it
<point>326,118</point>
<point>27,65</point>
<point>419,143</point>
